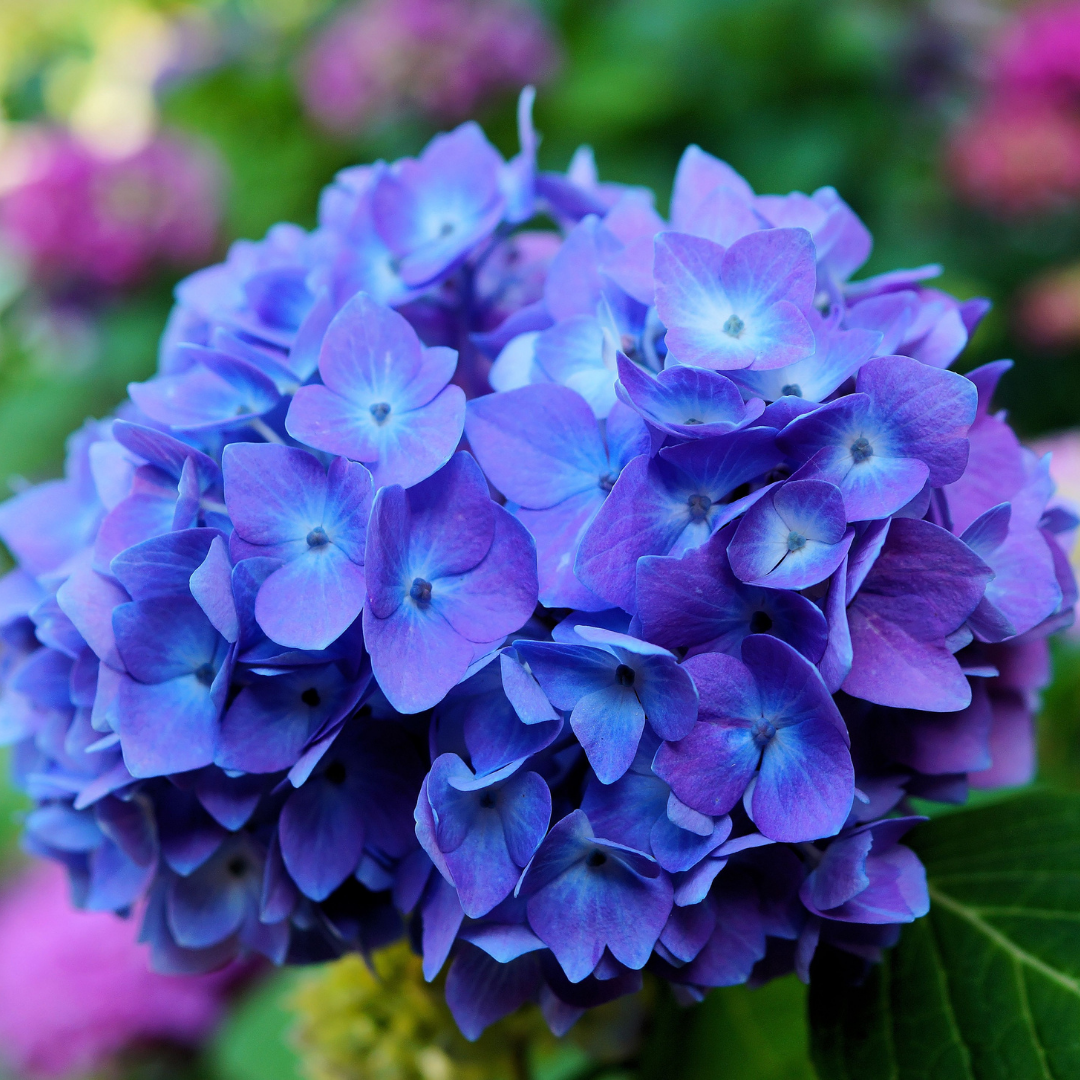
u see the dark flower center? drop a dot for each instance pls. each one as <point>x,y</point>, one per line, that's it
<point>734,326</point>
<point>380,410</point>
<point>795,541</point>
<point>447,228</point>
<point>317,537</point>
<point>596,858</point>
<point>205,674</point>
<point>791,390</point>
<point>760,623</point>
<point>421,591</point>
<point>762,732</point>
<point>693,421</point>
<point>699,506</point>
<point>237,866</point>
<point>624,675</point>
<point>487,800</point>
<point>335,773</point>
<point>311,697</point>
<point>607,481</point>
<point>861,449</point>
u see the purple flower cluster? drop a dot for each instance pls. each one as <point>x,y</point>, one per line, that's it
<point>731,569</point>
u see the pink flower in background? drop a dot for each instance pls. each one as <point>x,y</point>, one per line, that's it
<point>1038,53</point>
<point>437,57</point>
<point>1017,156</point>
<point>1048,313</point>
<point>75,987</point>
<point>78,218</point>
<point>1019,152</point>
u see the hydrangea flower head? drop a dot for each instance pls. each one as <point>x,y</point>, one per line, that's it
<point>565,601</point>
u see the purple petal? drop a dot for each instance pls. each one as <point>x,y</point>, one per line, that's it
<point>88,599</point>
<point>792,538</point>
<point>768,266</point>
<point>685,401</point>
<point>275,494</point>
<point>573,353</point>
<point>166,727</point>
<point>163,565</point>
<point>692,303</point>
<point>386,552</point>
<point>211,585</point>
<point>931,409</point>
<point>582,908</point>
<point>498,595</point>
<point>272,719</point>
<point>348,506</point>
<point>835,664</point>
<point>568,672</point>
<point>538,445</point>
<point>710,768</point>
<point>699,175</point>
<point>480,990</point>
<point>520,686</point>
<point>608,723</point>
<point>922,587</point>
<point>322,835</point>
<point>557,532</point>
<point>453,518</point>
<point>697,601</point>
<point>806,784</point>
<point>668,696</point>
<point>416,656</point>
<point>310,602</point>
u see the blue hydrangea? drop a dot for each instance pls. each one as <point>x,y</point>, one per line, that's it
<point>570,599</point>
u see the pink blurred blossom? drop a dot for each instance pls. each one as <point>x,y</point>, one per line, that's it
<point>1048,312</point>
<point>1038,53</point>
<point>78,218</point>
<point>437,57</point>
<point>1019,152</point>
<point>75,987</point>
<point>1017,156</point>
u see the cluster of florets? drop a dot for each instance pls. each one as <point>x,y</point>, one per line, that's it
<point>730,568</point>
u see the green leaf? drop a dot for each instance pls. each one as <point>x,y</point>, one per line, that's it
<point>985,987</point>
<point>254,1043</point>
<point>736,1033</point>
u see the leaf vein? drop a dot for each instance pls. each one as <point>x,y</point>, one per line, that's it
<point>946,997</point>
<point>1025,1012</point>
<point>1021,956</point>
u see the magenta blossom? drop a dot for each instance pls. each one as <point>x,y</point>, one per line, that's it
<point>76,988</point>
<point>79,218</point>
<point>437,57</point>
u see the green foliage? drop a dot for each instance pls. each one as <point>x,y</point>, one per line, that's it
<point>276,162</point>
<point>987,986</point>
<point>1059,721</point>
<point>12,804</point>
<point>254,1043</point>
<point>736,1033</point>
<point>40,404</point>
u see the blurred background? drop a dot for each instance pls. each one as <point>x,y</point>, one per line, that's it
<point>139,137</point>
